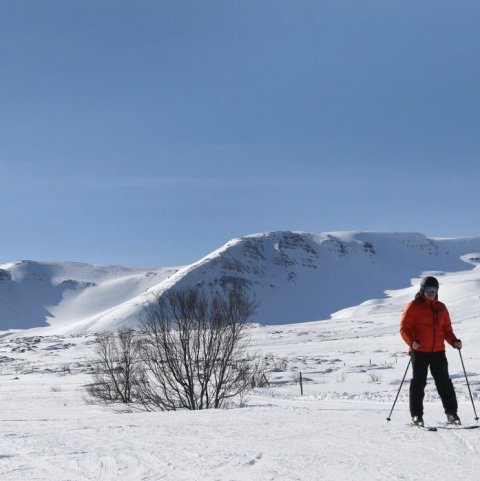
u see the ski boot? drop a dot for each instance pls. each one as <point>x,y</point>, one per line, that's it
<point>452,418</point>
<point>418,421</point>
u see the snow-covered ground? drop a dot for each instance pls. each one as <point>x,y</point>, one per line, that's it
<point>351,365</point>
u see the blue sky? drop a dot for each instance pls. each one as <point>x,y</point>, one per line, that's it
<point>150,132</point>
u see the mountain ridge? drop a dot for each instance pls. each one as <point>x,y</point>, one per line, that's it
<point>293,276</point>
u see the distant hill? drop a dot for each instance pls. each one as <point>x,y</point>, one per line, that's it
<point>293,276</point>
<point>37,294</point>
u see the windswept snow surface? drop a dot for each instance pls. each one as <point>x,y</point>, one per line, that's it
<point>351,364</point>
<point>71,297</point>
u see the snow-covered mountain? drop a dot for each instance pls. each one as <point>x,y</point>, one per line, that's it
<point>293,276</point>
<point>351,365</point>
<point>71,296</point>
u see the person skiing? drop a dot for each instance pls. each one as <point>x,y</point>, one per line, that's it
<point>425,327</point>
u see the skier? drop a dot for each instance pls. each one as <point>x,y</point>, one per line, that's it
<point>425,326</point>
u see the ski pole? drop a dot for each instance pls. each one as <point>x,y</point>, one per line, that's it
<point>401,384</point>
<point>468,385</point>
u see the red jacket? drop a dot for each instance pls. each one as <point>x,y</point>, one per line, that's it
<point>427,322</point>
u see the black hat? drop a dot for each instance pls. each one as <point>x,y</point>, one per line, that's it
<point>429,281</point>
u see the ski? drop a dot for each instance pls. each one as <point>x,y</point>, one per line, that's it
<point>459,426</point>
<point>425,428</point>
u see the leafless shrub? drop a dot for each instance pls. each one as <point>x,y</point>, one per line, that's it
<point>279,364</point>
<point>117,367</point>
<point>66,369</point>
<point>196,350</point>
<point>374,377</point>
<point>259,376</point>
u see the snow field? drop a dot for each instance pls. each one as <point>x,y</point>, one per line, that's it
<point>336,431</point>
<point>351,365</point>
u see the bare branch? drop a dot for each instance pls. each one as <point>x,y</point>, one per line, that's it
<point>196,349</point>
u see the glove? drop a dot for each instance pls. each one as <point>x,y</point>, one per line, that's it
<point>457,344</point>
<point>415,345</point>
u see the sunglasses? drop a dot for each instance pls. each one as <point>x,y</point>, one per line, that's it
<point>431,290</point>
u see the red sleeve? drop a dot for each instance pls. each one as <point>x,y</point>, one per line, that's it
<point>448,333</point>
<point>406,325</point>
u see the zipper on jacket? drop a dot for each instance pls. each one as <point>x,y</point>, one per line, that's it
<point>434,315</point>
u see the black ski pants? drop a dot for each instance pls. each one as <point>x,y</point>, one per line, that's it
<point>437,361</point>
